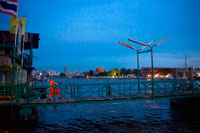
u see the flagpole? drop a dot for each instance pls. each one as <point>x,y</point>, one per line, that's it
<point>22,61</point>
<point>14,52</point>
<point>16,24</point>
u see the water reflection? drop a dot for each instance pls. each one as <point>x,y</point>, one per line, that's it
<point>143,116</point>
<point>188,119</point>
<point>11,121</point>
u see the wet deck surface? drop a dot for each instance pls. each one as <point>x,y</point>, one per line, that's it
<point>103,98</point>
<point>111,97</point>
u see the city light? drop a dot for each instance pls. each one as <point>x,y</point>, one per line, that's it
<point>158,76</point>
<point>198,75</point>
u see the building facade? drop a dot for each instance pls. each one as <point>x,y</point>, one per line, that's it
<point>15,64</point>
<point>52,72</point>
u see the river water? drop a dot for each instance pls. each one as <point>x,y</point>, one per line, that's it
<point>134,116</point>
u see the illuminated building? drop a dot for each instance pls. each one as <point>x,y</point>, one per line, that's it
<point>99,70</point>
<point>52,72</point>
<point>159,72</point>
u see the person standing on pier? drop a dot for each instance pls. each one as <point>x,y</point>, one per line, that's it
<point>52,92</point>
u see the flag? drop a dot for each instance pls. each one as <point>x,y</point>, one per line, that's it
<point>9,7</point>
<point>12,24</point>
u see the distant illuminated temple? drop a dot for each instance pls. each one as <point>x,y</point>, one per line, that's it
<point>99,70</point>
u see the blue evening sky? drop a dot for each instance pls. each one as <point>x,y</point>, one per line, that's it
<point>84,34</point>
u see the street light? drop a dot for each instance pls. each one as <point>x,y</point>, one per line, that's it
<point>151,49</point>
<point>137,42</point>
<point>127,46</point>
<point>138,52</point>
<point>146,45</point>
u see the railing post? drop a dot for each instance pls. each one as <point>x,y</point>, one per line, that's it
<point>164,86</point>
<point>81,92</point>
<point>42,78</point>
<point>4,90</point>
<point>157,87</point>
<point>152,75</point>
<point>16,93</point>
<point>30,94</point>
<point>78,92</point>
<point>191,79</point>
<point>27,91</point>
<point>71,90</point>
<point>19,94</point>
<point>102,90</point>
<point>74,90</point>
<point>175,78</point>
<point>192,86</point>
<point>107,91</point>
<point>119,88</point>
<point>138,73</point>
<point>99,91</point>
<point>12,88</point>
<point>124,89</point>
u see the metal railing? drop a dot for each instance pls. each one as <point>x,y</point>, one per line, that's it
<point>24,94</point>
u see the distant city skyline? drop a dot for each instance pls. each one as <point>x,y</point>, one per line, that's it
<point>85,34</point>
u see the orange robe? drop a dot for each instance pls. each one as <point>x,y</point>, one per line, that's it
<point>57,91</point>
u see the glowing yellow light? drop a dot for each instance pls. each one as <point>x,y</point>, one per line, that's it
<point>87,77</point>
<point>168,76</point>
<point>148,75</point>
<point>114,74</point>
<point>40,74</point>
<point>156,76</point>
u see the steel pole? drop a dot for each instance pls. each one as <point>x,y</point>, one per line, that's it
<point>138,73</point>
<point>152,75</point>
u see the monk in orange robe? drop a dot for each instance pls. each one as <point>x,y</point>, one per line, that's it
<point>57,91</point>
